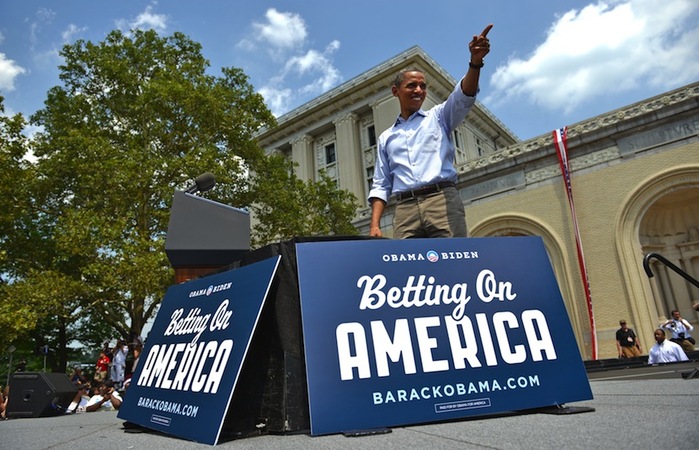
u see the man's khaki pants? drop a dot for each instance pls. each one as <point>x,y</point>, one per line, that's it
<point>440,214</point>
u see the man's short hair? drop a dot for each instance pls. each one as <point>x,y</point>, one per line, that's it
<point>400,76</point>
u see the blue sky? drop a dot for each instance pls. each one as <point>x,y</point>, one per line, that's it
<point>552,63</point>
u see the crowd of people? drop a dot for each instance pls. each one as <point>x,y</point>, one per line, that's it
<point>105,390</point>
<point>674,349</point>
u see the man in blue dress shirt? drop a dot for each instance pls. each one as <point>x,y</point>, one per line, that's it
<point>416,155</point>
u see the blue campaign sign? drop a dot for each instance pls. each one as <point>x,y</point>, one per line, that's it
<point>190,364</point>
<point>400,332</point>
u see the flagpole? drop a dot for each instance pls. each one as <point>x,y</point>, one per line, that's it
<point>560,137</point>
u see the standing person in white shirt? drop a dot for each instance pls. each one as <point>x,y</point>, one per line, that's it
<point>119,363</point>
<point>415,157</point>
<point>681,331</point>
<point>665,351</point>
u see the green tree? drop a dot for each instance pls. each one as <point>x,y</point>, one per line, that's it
<point>136,117</point>
<point>39,288</point>
<point>13,181</point>
<point>14,178</point>
<point>293,207</point>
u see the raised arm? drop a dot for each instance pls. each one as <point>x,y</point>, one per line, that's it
<point>479,47</point>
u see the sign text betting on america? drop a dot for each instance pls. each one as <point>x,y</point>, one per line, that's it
<point>196,366</point>
<point>424,292</point>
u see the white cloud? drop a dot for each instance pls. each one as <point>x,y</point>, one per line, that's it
<point>9,70</point>
<point>310,71</point>
<point>148,19</point>
<point>603,48</point>
<point>44,16</point>
<point>277,99</point>
<point>246,45</point>
<point>145,21</point>
<point>71,32</point>
<point>282,30</point>
<point>318,65</point>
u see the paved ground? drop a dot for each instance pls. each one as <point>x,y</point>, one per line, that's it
<point>634,408</point>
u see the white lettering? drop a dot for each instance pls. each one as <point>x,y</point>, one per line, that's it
<point>222,317</point>
<point>417,292</point>
<point>427,343</point>
<point>458,330</point>
<point>203,365</point>
<point>345,334</point>
<point>510,357</point>
<point>488,289</point>
<point>541,342</point>
<point>387,350</point>
<point>192,324</point>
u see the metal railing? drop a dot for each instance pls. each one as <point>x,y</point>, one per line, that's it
<point>662,259</point>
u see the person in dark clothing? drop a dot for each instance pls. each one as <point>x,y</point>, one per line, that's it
<point>627,344</point>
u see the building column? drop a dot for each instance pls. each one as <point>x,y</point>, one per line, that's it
<point>349,155</point>
<point>302,154</point>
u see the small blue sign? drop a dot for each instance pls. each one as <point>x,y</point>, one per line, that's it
<point>193,355</point>
<point>400,332</point>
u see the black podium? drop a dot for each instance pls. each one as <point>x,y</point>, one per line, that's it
<point>204,235</point>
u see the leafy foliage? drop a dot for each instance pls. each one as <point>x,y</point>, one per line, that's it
<point>294,207</point>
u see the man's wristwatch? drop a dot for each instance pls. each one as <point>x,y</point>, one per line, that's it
<point>475,66</point>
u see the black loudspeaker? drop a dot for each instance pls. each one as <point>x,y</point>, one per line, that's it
<point>38,394</point>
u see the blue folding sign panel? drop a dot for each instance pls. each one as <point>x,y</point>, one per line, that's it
<point>193,355</point>
<point>400,332</point>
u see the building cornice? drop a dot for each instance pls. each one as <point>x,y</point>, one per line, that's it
<point>606,128</point>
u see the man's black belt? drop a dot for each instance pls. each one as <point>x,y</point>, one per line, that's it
<point>425,190</point>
